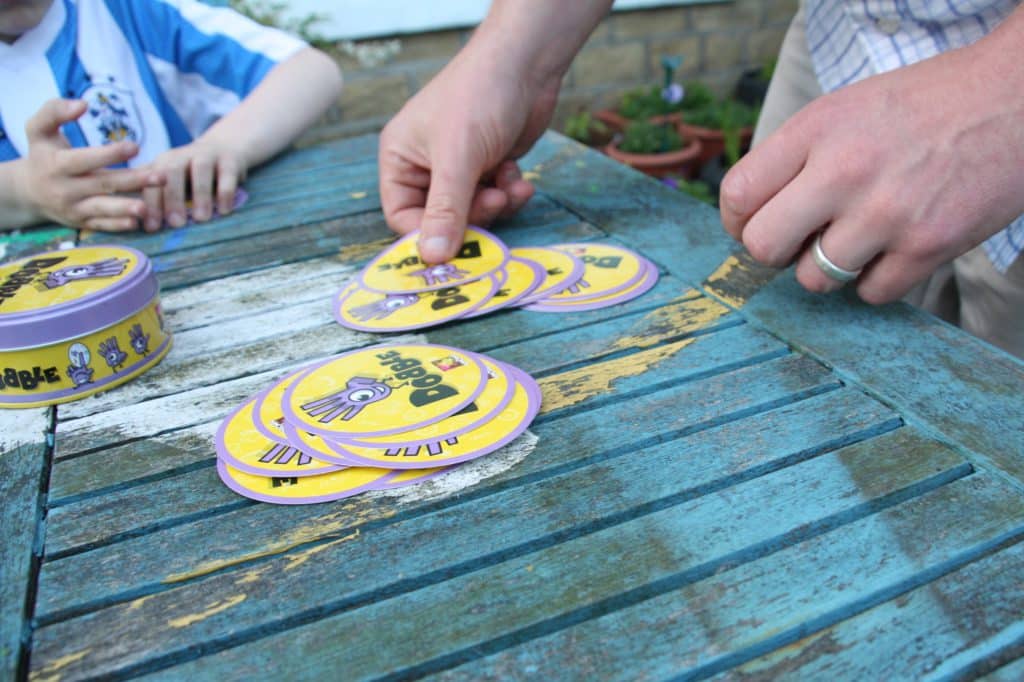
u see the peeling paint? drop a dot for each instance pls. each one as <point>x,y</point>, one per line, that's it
<point>361,252</point>
<point>299,558</point>
<point>315,530</point>
<point>569,388</point>
<point>738,278</point>
<point>52,671</point>
<point>357,195</point>
<point>217,607</point>
<point>670,321</point>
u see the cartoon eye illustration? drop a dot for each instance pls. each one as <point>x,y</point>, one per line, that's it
<point>362,395</point>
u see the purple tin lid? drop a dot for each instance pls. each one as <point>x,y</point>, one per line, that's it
<point>61,295</point>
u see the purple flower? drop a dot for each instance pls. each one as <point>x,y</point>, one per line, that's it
<point>673,94</point>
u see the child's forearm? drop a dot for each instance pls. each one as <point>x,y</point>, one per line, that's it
<point>15,208</point>
<point>292,97</point>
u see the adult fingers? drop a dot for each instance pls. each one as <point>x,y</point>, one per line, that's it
<point>44,126</point>
<point>510,180</point>
<point>153,197</point>
<point>891,277</point>
<point>403,187</point>
<point>775,233</point>
<point>453,184</point>
<point>760,175</point>
<point>487,204</point>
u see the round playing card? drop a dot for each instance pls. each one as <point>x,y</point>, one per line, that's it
<point>495,397</point>
<point>359,308</point>
<point>561,270</point>
<point>301,490</point>
<point>268,416</point>
<point>398,269</point>
<point>382,390</point>
<point>649,279</point>
<point>522,276</point>
<point>607,269</point>
<point>508,424</point>
<point>241,445</point>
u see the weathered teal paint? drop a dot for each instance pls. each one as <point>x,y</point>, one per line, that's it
<point>731,477</point>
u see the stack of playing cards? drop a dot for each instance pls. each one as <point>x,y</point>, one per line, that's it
<point>397,292</point>
<point>371,419</point>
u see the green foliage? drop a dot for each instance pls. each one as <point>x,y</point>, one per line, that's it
<point>645,102</point>
<point>584,128</point>
<point>644,137</point>
<point>271,13</point>
<point>728,115</point>
<point>698,189</point>
<point>696,96</point>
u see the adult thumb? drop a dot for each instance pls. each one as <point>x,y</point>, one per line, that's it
<point>443,225</point>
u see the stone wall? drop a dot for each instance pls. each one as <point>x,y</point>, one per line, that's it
<point>718,41</point>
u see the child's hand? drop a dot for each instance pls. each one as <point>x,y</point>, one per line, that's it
<point>202,172</point>
<point>74,186</point>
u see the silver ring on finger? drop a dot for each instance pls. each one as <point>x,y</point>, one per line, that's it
<point>828,267</point>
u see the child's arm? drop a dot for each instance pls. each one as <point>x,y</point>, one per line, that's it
<point>71,186</point>
<point>292,96</point>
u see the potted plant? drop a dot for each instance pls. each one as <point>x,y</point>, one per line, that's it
<point>752,85</point>
<point>655,147</point>
<point>723,125</point>
<point>585,128</point>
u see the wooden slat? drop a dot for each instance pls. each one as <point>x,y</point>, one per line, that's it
<point>1011,672</point>
<point>699,629</point>
<point>23,470</point>
<point>964,623</point>
<point>464,594</point>
<point>261,530</point>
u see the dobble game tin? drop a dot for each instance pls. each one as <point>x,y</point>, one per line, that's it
<point>76,322</point>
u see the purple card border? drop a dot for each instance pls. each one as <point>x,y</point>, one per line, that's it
<point>538,276</point>
<point>574,276</point>
<point>225,477</point>
<point>646,284</point>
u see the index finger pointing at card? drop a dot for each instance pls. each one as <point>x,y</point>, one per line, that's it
<point>452,185</point>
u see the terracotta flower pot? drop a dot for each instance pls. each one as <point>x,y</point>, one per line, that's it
<point>682,161</point>
<point>712,140</point>
<point>618,122</point>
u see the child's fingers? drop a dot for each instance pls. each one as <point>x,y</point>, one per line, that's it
<point>82,160</point>
<point>227,185</point>
<point>109,211</point>
<point>44,125</point>
<point>202,169</point>
<point>111,224</point>
<point>174,197</point>
<point>128,181</point>
<point>153,197</point>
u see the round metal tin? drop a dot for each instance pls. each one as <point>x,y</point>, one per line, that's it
<point>76,322</point>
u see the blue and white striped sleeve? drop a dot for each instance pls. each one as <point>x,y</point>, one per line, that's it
<point>206,59</point>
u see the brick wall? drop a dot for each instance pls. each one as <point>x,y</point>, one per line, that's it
<point>718,40</point>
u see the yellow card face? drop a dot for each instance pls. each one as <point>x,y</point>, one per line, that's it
<point>561,268</point>
<point>60,277</point>
<point>607,269</point>
<point>496,394</point>
<point>398,269</point>
<point>486,438</point>
<point>301,489</point>
<point>359,308</point>
<point>521,278</point>
<point>379,391</point>
<point>242,446</point>
<point>638,287</point>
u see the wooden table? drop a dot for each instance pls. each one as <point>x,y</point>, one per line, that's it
<point>729,477</point>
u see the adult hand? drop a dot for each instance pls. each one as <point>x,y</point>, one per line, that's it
<point>902,172</point>
<point>74,186</point>
<point>202,172</point>
<point>447,158</point>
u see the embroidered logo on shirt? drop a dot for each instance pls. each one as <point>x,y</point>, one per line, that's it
<point>112,115</point>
